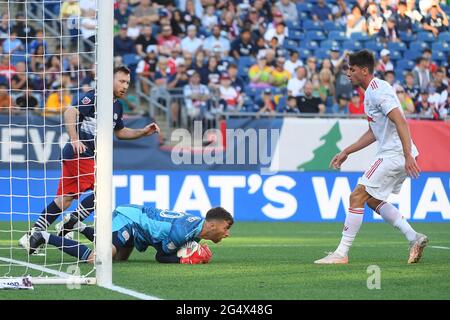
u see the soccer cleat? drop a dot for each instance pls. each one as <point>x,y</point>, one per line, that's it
<point>65,227</point>
<point>24,241</point>
<point>35,241</point>
<point>333,258</point>
<point>416,248</point>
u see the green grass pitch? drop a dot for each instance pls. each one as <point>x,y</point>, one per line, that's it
<point>275,261</point>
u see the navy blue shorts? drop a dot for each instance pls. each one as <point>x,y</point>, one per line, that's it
<point>123,238</point>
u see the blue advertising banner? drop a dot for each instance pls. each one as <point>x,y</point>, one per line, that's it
<point>288,196</point>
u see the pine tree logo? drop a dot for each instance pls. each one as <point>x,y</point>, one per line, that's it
<point>325,152</point>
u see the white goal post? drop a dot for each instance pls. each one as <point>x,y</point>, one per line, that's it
<point>54,266</point>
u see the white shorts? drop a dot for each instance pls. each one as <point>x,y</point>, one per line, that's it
<point>384,176</point>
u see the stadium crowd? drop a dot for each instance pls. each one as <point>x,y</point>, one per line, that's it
<point>242,55</point>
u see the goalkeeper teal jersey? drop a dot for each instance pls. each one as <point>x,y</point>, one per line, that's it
<point>162,229</point>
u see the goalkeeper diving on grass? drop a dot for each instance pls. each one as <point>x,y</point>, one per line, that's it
<point>174,235</point>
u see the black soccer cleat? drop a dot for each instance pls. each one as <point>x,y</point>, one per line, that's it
<point>69,222</point>
<point>36,240</point>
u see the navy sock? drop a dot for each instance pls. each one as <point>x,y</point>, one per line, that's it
<point>162,257</point>
<point>70,247</point>
<point>48,216</point>
<point>85,207</point>
<point>89,233</point>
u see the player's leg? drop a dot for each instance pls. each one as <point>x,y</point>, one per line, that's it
<point>52,212</point>
<point>123,244</point>
<point>85,208</point>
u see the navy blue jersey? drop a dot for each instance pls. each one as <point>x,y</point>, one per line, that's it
<point>87,124</point>
<point>162,229</point>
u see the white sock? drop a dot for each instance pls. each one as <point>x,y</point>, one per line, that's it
<point>352,224</point>
<point>391,215</point>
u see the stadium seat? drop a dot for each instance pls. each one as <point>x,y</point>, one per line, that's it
<point>337,36</point>
<point>304,53</point>
<point>404,64</point>
<point>374,45</point>
<point>396,46</point>
<point>395,55</point>
<point>406,37</point>
<point>293,25</point>
<point>312,45</point>
<point>332,26</point>
<point>440,46</point>
<point>322,54</point>
<point>418,46</point>
<point>304,7</point>
<point>309,25</point>
<point>246,61</point>
<point>412,54</point>
<point>444,36</point>
<point>439,56</point>
<point>352,45</point>
<point>315,35</point>
<point>359,36</point>
<point>296,35</point>
<point>290,45</point>
<point>425,36</point>
<point>130,59</point>
<point>328,44</point>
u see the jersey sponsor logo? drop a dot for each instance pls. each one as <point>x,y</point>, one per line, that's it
<point>86,100</point>
<point>171,246</point>
<point>192,219</point>
<point>171,214</point>
<point>126,235</point>
<point>115,116</point>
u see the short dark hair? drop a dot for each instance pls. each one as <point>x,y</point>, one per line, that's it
<point>123,69</point>
<point>389,72</point>
<point>363,59</point>
<point>219,213</point>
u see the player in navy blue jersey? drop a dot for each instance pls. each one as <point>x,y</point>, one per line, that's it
<point>139,227</point>
<point>78,173</point>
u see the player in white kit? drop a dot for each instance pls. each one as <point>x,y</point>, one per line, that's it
<point>395,160</point>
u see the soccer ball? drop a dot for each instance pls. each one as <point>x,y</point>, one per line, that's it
<point>188,249</point>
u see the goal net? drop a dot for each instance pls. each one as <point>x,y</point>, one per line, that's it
<point>48,60</point>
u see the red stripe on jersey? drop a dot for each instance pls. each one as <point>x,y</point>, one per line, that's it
<point>374,167</point>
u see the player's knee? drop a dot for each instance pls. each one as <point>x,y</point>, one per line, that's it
<point>359,196</point>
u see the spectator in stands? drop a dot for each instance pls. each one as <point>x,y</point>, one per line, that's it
<point>12,44</point>
<point>293,62</point>
<point>321,12</point>
<point>121,14</point>
<point>412,12</point>
<point>122,43</point>
<point>260,74</point>
<point>280,76</point>
<point>37,59</point>
<point>229,26</point>
<point>52,69</point>
<point>230,98</point>
<point>385,9</point>
<point>243,47</point>
<point>311,68</point>
<point>70,12</point>
<point>74,70</point>
<point>196,97</point>
<point>340,11</point>
<point>326,88</point>
<point>144,40</point>
<point>267,103</point>
<point>209,19</point>
<point>291,105</point>
<point>210,74</point>
<point>58,101</point>
<point>342,84</point>
<point>405,101</point>
<point>216,40</point>
<point>27,101</point>
<point>87,82</point>
<point>256,22</point>
<point>436,21</point>
<point>389,77</point>
<point>341,107</point>
<point>37,42</point>
<point>410,88</point>
<point>192,10</point>
<point>19,81</point>
<point>326,64</point>
<point>385,64</point>
<point>134,29</point>
<point>428,55</point>
<point>374,20</point>
<point>279,31</point>
<point>336,58</point>
<point>402,21</point>
<point>356,106</point>
<point>145,13</point>
<point>178,82</point>
<point>236,81</point>
<point>89,30</point>
<point>167,41</point>
<point>437,103</point>
<point>178,24</point>
<point>7,70</point>
<point>421,74</point>
<point>439,85</point>
<point>23,28</point>
<point>87,5</point>
<point>423,106</point>
<point>162,74</point>
<point>146,68</point>
<point>6,101</point>
<point>308,103</point>
<point>191,43</point>
<point>287,9</point>
<point>4,27</point>
<point>389,31</point>
<point>356,21</point>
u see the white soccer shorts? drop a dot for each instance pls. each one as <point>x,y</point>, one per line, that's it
<point>384,176</point>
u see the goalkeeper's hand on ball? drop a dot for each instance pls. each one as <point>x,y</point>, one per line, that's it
<point>201,254</point>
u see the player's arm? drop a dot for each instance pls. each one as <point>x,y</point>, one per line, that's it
<point>412,169</point>
<point>130,134</point>
<point>365,140</point>
<point>70,121</point>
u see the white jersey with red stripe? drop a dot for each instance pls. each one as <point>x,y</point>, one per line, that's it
<point>380,99</point>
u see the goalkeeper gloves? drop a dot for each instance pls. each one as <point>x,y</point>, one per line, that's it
<point>202,255</point>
